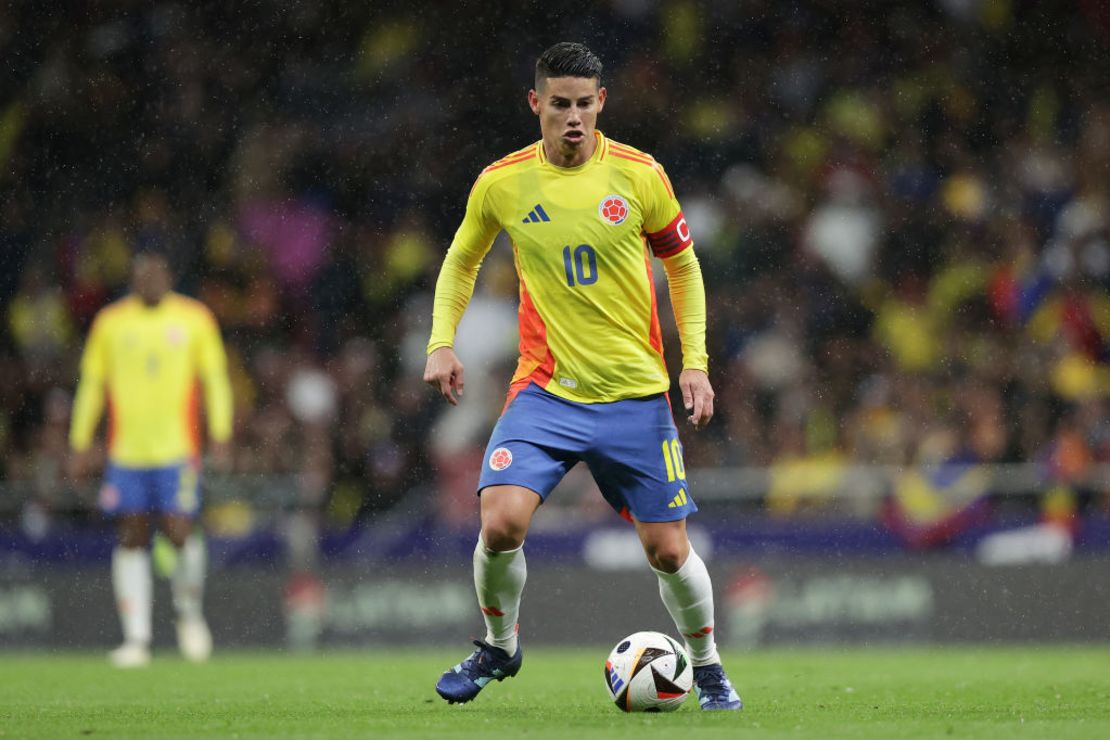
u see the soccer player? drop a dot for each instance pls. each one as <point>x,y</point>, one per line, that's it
<point>585,215</point>
<point>146,357</point>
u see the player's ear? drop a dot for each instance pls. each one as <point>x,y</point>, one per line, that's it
<point>602,93</point>
<point>534,101</point>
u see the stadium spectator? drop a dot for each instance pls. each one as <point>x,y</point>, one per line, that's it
<point>885,226</point>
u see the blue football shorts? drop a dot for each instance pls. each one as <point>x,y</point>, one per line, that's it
<point>173,489</point>
<point>631,447</point>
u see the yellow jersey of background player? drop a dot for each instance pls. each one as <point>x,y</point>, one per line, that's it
<point>148,360</point>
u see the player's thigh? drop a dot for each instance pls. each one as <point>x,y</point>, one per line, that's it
<point>536,441</point>
<point>637,461</point>
<point>133,530</point>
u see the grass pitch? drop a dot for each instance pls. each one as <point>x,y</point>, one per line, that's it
<point>919,693</point>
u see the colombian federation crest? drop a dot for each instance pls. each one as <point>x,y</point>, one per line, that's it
<point>175,335</point>
<point>613,210</point>
<point>500,459</point>
<point>109,497</point>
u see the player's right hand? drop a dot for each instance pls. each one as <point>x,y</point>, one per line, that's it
<point>80,464</point>
<point>444,372</point>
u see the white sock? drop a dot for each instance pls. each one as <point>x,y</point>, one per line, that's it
<point>688,595</point>
<point>187,581</point>
<point>131,581</point>
<point>499,581</point>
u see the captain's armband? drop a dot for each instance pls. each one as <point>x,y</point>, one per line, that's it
<point>671,239</point>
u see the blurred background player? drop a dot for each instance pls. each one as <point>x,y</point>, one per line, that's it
<point>146,358</point>
<point>582,212</point>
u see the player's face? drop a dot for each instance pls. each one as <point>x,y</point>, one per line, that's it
<point>151,278</point>
<point>567,108</point>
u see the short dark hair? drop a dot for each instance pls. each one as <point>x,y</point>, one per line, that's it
<point>568,59</point>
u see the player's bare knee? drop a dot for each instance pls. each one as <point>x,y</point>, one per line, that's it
<point>176,539</point>
<point>501,531</point>
<point>176,533</point>
<point>667,559</point>
<point>501,534</point>
<point>667,554</point>
<point>504,523</point>
<point>177,529</point>
<point>133,541</point>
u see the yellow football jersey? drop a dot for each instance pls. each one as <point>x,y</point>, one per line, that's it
<point>582,239</point>
<point>148,363</point>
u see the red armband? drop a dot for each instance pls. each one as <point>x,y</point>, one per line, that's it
<point>671,239</point>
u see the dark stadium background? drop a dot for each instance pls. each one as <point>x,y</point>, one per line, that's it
<point>901,210</point>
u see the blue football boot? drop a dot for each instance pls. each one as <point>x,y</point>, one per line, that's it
<point>463,682</point>
<point>713,688</point>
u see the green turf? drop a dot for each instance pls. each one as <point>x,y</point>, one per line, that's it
<point>988,693</point>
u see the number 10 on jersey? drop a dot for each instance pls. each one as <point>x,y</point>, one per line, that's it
<point>580,265</point>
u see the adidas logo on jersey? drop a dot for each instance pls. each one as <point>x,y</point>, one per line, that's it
<point>536,215</point>
<point>679,501</point>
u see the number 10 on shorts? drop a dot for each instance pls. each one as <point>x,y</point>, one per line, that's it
<point>672,458</point>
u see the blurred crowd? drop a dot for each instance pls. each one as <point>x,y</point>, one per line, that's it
<point>901,210</point>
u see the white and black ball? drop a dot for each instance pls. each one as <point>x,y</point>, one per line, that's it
<point>648,672</point>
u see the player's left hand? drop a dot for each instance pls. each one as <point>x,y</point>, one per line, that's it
<point>697,396</point>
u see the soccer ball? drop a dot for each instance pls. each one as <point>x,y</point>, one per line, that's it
<point>648,672</point>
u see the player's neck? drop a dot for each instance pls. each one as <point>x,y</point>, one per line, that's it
<point>569,157</point>
<point>151,301</point>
